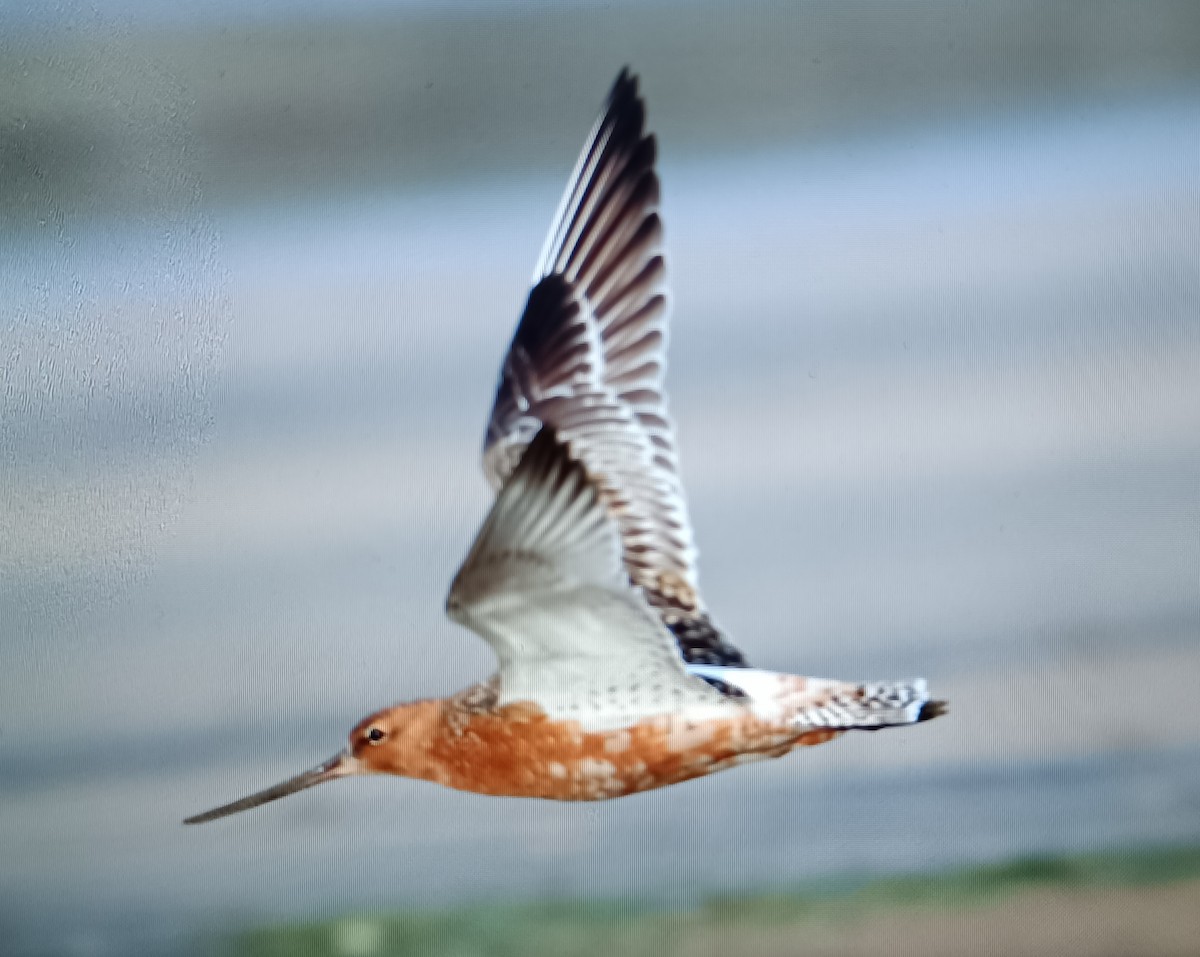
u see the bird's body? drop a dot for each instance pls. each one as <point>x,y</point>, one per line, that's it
<point>472,743</point>
<point>613,678</point>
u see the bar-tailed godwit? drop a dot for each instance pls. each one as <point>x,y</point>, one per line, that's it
<point>612,676</point>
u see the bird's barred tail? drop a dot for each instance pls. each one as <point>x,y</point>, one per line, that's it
<point>869,707</point>
<point>820,704</point>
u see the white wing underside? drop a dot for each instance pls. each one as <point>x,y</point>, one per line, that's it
<point>544,585</point>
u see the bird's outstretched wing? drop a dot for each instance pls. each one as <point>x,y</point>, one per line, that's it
<point>544,585</point>
<point>588,359</point>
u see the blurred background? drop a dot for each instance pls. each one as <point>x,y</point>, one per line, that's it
<point>935,369</point>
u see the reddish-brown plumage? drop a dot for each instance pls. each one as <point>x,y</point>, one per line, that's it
<point>469,743</point>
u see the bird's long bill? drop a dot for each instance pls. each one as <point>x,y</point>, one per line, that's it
<point>340,765</point>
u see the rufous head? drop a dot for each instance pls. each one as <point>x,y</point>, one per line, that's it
<point>377,744</point>
<point>378,738</point>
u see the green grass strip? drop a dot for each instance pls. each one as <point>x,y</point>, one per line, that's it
<point>590,929</point>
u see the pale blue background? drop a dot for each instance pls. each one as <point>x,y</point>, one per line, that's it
<point>935,368</point>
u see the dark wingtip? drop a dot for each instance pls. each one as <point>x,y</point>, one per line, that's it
<point>624,96</point>
<point>933,709</point>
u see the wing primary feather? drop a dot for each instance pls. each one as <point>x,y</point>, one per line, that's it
<point>622,102</point>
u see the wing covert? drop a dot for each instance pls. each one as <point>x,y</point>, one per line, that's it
<point>544,585</point>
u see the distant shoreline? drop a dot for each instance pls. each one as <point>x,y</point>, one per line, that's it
<point>1144,901</point>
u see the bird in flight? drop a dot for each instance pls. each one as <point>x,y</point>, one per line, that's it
<point>613,678</point>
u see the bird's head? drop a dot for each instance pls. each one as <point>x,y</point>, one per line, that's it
<point>381,743</point>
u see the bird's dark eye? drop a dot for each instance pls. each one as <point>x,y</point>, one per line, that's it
<point>375,735</point>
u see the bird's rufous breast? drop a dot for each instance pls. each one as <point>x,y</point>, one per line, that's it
<point>517,750</point>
